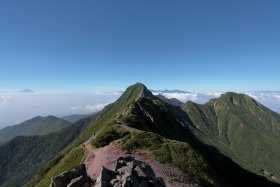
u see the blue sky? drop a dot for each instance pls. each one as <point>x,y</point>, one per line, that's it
<point>101,45</point>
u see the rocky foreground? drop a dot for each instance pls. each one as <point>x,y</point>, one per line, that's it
<point>124,172</point>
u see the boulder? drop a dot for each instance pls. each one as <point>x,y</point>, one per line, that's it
<point>72,177</point>
<point>144,183</point>
<point>127,172</point>
<point>80,181</point>
<point>145,171</point>
<point>105,177</point>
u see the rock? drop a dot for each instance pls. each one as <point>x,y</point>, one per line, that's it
<point>118,184</point>
<point>127,159</point>
<point>72,178</point>
<point>144,183</point>
<point>114,181</point>
<point>105,177</point>
<point>126,184</point>
<point>127,172</point>
<point>126,177</point>
<point>118,164</point>
<point>133,163</point>
<point>102,184</point>
<point>157,183</point>
<point>80,181</point>
<point>106,174</point>
<point>135,181</point>
<point>121,162</point>
<point>143,170</point>
<point>76,182</point>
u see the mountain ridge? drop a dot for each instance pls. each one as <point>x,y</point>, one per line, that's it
<point>172,126</point>
<point>241,128</point>
<point>35,126</point>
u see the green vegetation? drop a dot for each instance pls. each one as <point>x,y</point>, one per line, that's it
<point>35,126</point>
<point>242,129</point>
<point>90,126</point>
<point>178,154</point>
<point>75,157</point>
<point>108,134</point>
<point>22,157</point>
<point>172,101</point>
<point>138,108</point>
<point>155,116</point>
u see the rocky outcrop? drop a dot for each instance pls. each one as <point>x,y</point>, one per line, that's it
<point>76,177</point>
<point>127,172</point>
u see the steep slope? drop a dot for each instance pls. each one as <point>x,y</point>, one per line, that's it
<point>172,101</point>
<point>35,126</point>
<point>241,128</point>
<point>22,157</point>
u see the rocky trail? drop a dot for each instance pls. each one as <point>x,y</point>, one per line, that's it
<point>106,156</point>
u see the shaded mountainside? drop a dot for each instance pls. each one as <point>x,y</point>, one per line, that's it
<point>22,157</point>
<point>171,101</point>
<point>138,108</point>
<point>241,128</point>
<point>35,126</point>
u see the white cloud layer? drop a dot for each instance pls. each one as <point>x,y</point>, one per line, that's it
<point>4,100</point>
<point>18,107</point>
<point>94,108</point>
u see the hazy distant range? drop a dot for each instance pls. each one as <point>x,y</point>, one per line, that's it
<point>16,107</point>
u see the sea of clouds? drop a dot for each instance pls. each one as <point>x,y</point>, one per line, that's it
<point>17,107</point>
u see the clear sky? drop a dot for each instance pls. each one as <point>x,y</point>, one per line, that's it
<point>97,45</point>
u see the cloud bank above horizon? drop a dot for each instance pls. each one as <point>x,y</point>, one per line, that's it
<point>17,107</point>
<point>267,98</point>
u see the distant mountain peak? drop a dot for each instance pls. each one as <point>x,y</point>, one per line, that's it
<point>234,99</point>
<point>26,91</point>
<point>139,90</point>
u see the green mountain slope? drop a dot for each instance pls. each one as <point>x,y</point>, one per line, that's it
<point>35,126</point>
<point>242,129</point>
<point>172,101</point>
<point>22,157</point>
<point>139,109</point>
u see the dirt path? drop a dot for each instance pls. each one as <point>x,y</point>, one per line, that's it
<point>105,156</point>
<point>101,157</point>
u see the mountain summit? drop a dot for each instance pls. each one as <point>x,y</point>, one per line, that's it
<point>35,126</point>
<point>26,91</point>
<point>241,128</point>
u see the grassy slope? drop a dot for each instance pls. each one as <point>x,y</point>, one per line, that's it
<point>95,123</point>
<point>178,154</point>
<point>22,157</point>
<point>172,101</point>
<point>175,153</point>
<point>35,126</point>
<point>241,128</point>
